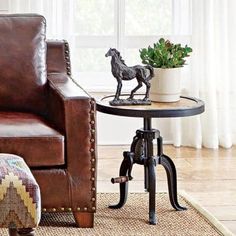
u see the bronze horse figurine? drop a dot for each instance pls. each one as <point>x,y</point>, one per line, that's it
<point>121,71</point>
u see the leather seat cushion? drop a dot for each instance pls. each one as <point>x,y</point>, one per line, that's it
<point>30,137</point>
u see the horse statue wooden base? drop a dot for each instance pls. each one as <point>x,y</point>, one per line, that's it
<point>121,71</point>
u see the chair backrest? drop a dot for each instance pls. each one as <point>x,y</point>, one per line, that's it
<point>23,63</point>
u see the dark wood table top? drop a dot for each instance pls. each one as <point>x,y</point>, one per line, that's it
<point>187,106</point>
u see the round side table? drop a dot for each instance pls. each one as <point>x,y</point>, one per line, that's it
<point>141,150</point>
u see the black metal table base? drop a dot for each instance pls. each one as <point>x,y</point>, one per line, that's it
<point>141,152</point>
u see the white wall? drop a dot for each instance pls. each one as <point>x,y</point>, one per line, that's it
<point>4,5</point>
<point>116,130</point>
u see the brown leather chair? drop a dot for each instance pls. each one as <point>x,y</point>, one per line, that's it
<point>46,117</point>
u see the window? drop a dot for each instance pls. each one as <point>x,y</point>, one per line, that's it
<point>125,25</point>
<point>93,26</point>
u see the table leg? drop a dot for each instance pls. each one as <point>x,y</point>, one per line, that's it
<point>151,164</point>
<point>169,166</point>
<point>150,168</point>
<point>125,170</point>
<point>145,178</point>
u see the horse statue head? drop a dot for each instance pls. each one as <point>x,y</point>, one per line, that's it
<point>112,52</point>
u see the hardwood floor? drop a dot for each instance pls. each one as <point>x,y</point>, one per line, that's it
<point>209,176</point>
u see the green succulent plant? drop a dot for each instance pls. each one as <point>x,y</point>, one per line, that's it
<point>165,54</point>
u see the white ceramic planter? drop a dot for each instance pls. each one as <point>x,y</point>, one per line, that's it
<point>165,85</point>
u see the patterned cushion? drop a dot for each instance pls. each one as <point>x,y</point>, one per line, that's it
<point>20,203</point>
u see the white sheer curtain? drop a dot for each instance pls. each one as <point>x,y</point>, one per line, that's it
<point>59,14</point>
<point>210,78</point>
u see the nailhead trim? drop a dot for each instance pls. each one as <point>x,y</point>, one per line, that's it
<point>62,209</point>
<point>92,151</point>
<point>67,58</point>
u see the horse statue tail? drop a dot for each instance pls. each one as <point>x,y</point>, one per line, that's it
<point>150,68</point>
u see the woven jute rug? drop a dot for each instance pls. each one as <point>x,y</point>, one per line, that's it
<point>132,219</point>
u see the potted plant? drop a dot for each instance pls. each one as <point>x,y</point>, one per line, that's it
<point>167,59</point>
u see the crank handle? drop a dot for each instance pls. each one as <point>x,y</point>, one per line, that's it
<point>121,179</point>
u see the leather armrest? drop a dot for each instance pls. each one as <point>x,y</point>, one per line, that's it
<point>63,90</point>
<point>66,87</point>
<point>72,111</point>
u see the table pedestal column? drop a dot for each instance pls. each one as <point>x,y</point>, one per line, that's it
<point>141,152</point>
